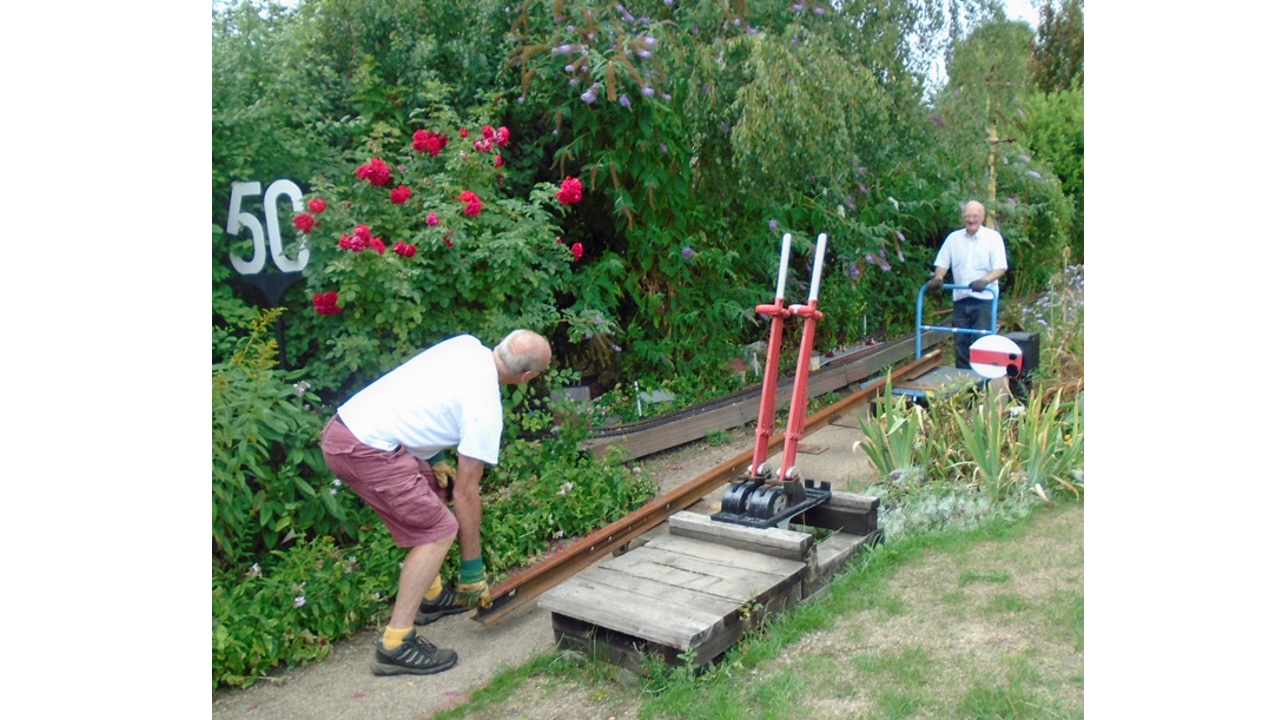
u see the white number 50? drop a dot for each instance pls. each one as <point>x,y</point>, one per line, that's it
<point>238,218</point>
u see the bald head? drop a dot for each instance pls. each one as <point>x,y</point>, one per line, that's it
<point>521,355</point>
<point>974,215</point>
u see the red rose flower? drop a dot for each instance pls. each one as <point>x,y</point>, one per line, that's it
<point>362,232</point>
<point>570,191</point>
<point>401,194</point>
<point>354,244</point>
<point>497,161</point>
<point>504,136</point>
<point>483,145</point>
<point>316,205</point>
<point>432,219</point>
<point>404,249</point>
<point>577,251</point>
<point>488,132</point>
<point>462,133</point>
<point>420,140</point>
<point>473,203</point>
<point>376,172</point>
<point>377,244</point>
<point>303,222</point>
<point>429,142</point>
<point>326,303</point>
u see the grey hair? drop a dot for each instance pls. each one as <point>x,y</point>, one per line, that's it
<point>521,351</point>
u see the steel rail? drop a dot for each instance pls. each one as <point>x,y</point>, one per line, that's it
<point>528,584</point>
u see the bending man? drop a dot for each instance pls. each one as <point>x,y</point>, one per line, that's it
<point>380,443</point>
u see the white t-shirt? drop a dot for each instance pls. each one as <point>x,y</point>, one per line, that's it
<point>970,258</point>
<point>446,396</point>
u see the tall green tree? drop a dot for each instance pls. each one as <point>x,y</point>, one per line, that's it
<point>978,116</point>
<point>1057,62</point>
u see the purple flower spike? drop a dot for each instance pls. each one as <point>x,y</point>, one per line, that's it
<point>647,91</point>
<point>773,226</point>
<point>687,253</point>
<point>624,101</point>
<point>1035,174</point>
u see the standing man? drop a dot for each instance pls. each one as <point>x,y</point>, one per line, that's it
<point>380,444</point>
<point>975,257</point>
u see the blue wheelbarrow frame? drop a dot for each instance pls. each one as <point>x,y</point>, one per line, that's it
<point>921,327</point>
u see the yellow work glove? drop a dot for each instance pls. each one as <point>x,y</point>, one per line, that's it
<point>445,473</point>
<point>473,584</point>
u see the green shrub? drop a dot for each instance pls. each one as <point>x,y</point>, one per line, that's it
<point>545,490</point>
<point>270,483</point>
<point>418,241</point>
<point>292,606</point>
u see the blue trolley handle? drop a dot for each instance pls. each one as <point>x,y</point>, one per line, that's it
<point>921,327</point>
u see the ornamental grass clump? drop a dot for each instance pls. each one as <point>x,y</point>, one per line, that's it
<point>1049,447</point>
<point>895,437</point>
<point>986,436</point>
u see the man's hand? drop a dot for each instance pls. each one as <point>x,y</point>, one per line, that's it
<point>473,585</point>
<point>978,285</point>
<point>444,472</point>
<point>935,283</point>
<point>475,594</point>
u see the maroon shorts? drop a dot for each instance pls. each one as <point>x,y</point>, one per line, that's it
<point>399,487</point>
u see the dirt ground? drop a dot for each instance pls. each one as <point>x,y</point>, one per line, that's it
<point>343,687</point>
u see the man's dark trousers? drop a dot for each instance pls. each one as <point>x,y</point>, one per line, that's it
<point>969,313</point>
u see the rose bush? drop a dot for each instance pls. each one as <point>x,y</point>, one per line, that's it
<point>466,257</point>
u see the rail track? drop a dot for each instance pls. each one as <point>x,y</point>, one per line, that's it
<point>850,370</point>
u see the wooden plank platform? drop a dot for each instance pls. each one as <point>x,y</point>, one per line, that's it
<point>671,597</point>
<point>692,593</point>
